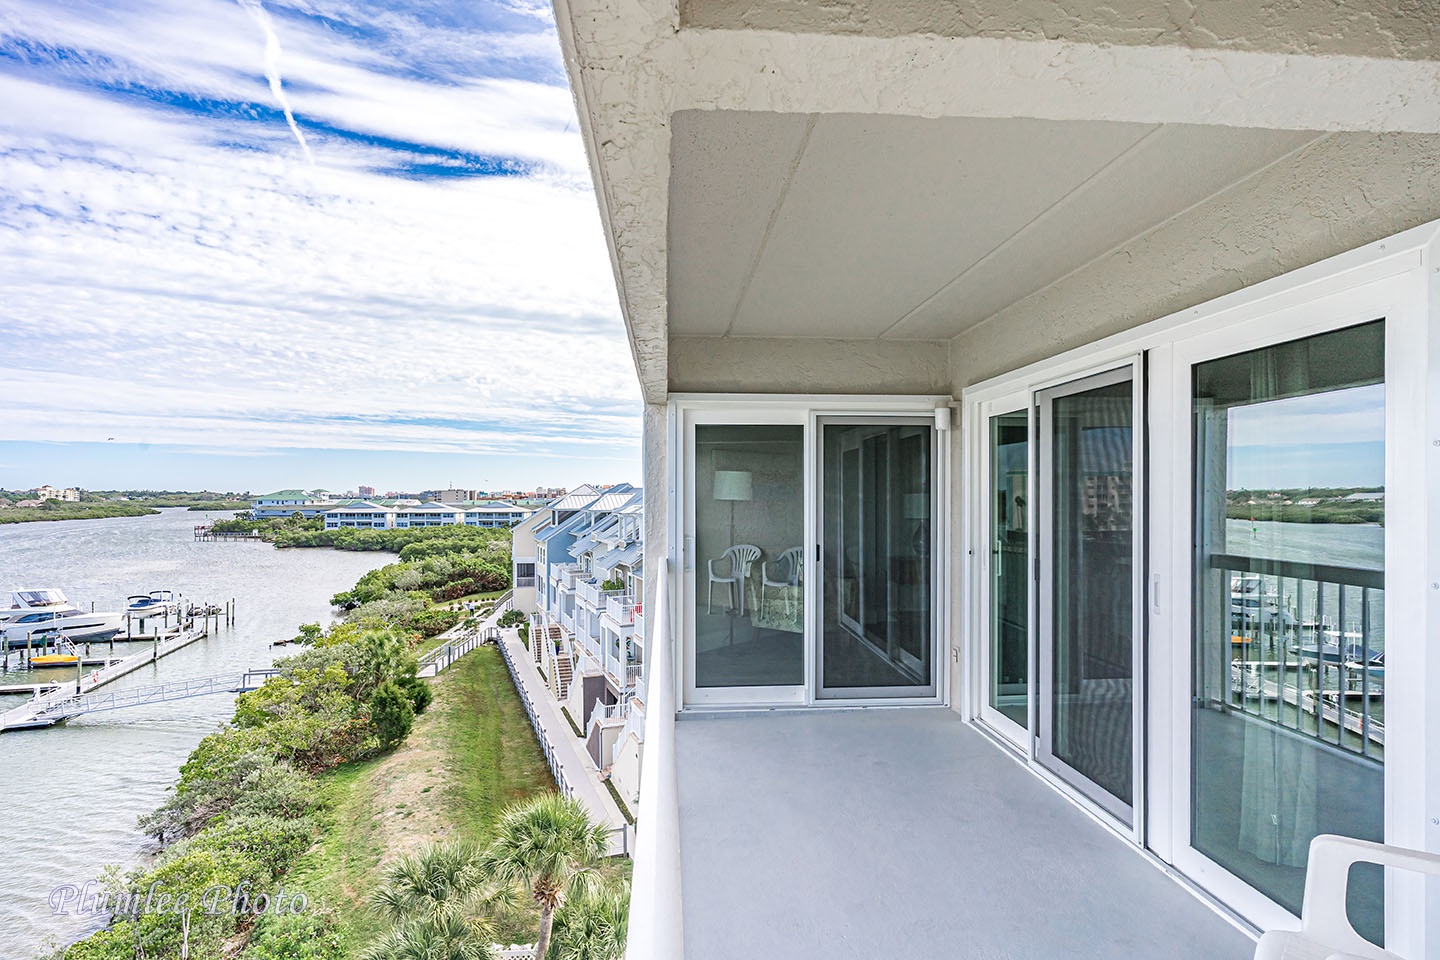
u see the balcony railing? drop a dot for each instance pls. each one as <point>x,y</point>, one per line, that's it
<point>635,679</point>
<point>621,609</point>
<point>567,622</point>
<point>1307,649</point>
<point>657,925</point>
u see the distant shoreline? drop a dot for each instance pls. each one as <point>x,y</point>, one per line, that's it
<point>109,508</point>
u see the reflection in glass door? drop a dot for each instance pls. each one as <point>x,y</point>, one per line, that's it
<point>749,505</point>
<point>1288,706</point>
<point>877,495</point>
<point>1009,626</point>
<point>1088,617</point>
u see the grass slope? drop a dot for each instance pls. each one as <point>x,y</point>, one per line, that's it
<point>468,757</point>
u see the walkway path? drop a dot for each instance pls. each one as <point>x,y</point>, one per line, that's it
<point>574,771</point>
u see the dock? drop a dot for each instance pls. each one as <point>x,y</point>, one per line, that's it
<point>207,534</point>
<point>36,711</point>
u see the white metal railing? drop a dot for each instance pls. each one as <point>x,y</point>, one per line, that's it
<point>589,592</point>
<point>611,711</point>
<point>657,924</point>
<point>567,621</point>
<point>621,609</point>
<point>635,679</point>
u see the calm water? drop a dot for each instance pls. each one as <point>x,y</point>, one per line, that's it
<point>73,792</point>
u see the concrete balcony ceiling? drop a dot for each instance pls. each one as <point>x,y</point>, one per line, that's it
<point>940,179</point>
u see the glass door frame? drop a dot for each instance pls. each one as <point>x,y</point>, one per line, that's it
<point>1393,300</point>
<point>1019,737</point>
<point>931,692</point>
<point>751,415</point>
<point>1128,816</point>
<point>688,410</point>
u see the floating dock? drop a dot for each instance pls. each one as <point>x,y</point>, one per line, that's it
<point>47,708</point>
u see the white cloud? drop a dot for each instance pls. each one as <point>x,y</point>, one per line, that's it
<point>179,276</point>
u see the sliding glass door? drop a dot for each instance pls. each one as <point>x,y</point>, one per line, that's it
<point>1089,542</point>
<point>876,502</point>
<point>811,551</point>
<point>1288,714</point>
<point>748,613</point>
<point>1006,652</point>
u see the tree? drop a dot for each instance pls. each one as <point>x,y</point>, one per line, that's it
<point>431,898</point>
<point>549,848</point>
<point>391,713</point>
<point>592,927</point>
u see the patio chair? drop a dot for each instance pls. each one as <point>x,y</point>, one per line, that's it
<point>737,560</point>
<point>1325,932</point>
<point>788,570</point>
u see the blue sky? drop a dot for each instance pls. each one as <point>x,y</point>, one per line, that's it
<point>189,296</point>
<point>1332,439</point>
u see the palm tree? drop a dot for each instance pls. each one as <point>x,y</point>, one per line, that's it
<point>592,927</point>
<point>549,847</point>
<point>431,896</point>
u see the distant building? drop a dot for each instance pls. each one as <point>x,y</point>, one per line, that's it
<point>449,496</point>
<point>360,515</point>
<point>47,492</point>
<point>365,492</point>
<point>284,503</point>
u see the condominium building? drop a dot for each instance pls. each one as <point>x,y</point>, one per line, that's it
<point>579,577</point>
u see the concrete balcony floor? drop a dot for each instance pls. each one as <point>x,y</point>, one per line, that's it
<point>905,833</point>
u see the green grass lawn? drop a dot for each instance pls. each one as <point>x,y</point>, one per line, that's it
<point>493,758</point>
<point>471,755</point>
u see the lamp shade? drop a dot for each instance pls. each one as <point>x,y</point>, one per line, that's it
<point>732,485</point>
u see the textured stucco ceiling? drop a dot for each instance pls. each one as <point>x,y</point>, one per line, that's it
<point>1404,29</point>
<point>785,225</point>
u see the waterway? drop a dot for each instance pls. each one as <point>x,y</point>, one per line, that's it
<point>73,793</point>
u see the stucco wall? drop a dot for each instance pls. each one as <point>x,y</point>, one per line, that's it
<point>1407,29</point>
<point>1339,193</point>
<point>808,365</point>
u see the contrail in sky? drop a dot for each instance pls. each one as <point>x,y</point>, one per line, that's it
<point>272,70</point>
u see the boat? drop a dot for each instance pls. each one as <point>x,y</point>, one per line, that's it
<point>38,618</point>
<point>51,660</point>
<point>156,603</point>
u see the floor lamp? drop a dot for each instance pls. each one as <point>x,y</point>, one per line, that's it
<point>734,486</point>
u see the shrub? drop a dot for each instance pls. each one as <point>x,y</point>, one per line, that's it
<point>312,935</point>
<point>391,714</point>
<point>511,618</point>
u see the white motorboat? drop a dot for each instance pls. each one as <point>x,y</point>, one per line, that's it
<point>156,603</point>
<point>40,616</point>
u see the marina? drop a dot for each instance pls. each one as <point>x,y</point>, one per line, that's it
<point>125,760</point>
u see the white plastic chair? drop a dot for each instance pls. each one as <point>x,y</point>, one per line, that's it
<point>1325,932</point>
<point>739,557</point>
<point>788,568</point>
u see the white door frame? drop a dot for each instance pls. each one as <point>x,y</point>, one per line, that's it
<point>1042,543</point>
<point>981,517</point>
<point>687,410</point>
<point>1394,300</point>
<point>1408,266</point>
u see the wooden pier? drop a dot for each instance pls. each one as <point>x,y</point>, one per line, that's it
<point>207,534</point>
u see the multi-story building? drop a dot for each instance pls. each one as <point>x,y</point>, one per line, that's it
<point>285,503</point>
<point>360,515</point>
<point>365,492</point>
<point>65,495</point>
<point>898,277</point>
<point>577,565</point>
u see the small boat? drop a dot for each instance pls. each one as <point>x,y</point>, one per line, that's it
<point>54,660</point>
<point>156,603</point>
